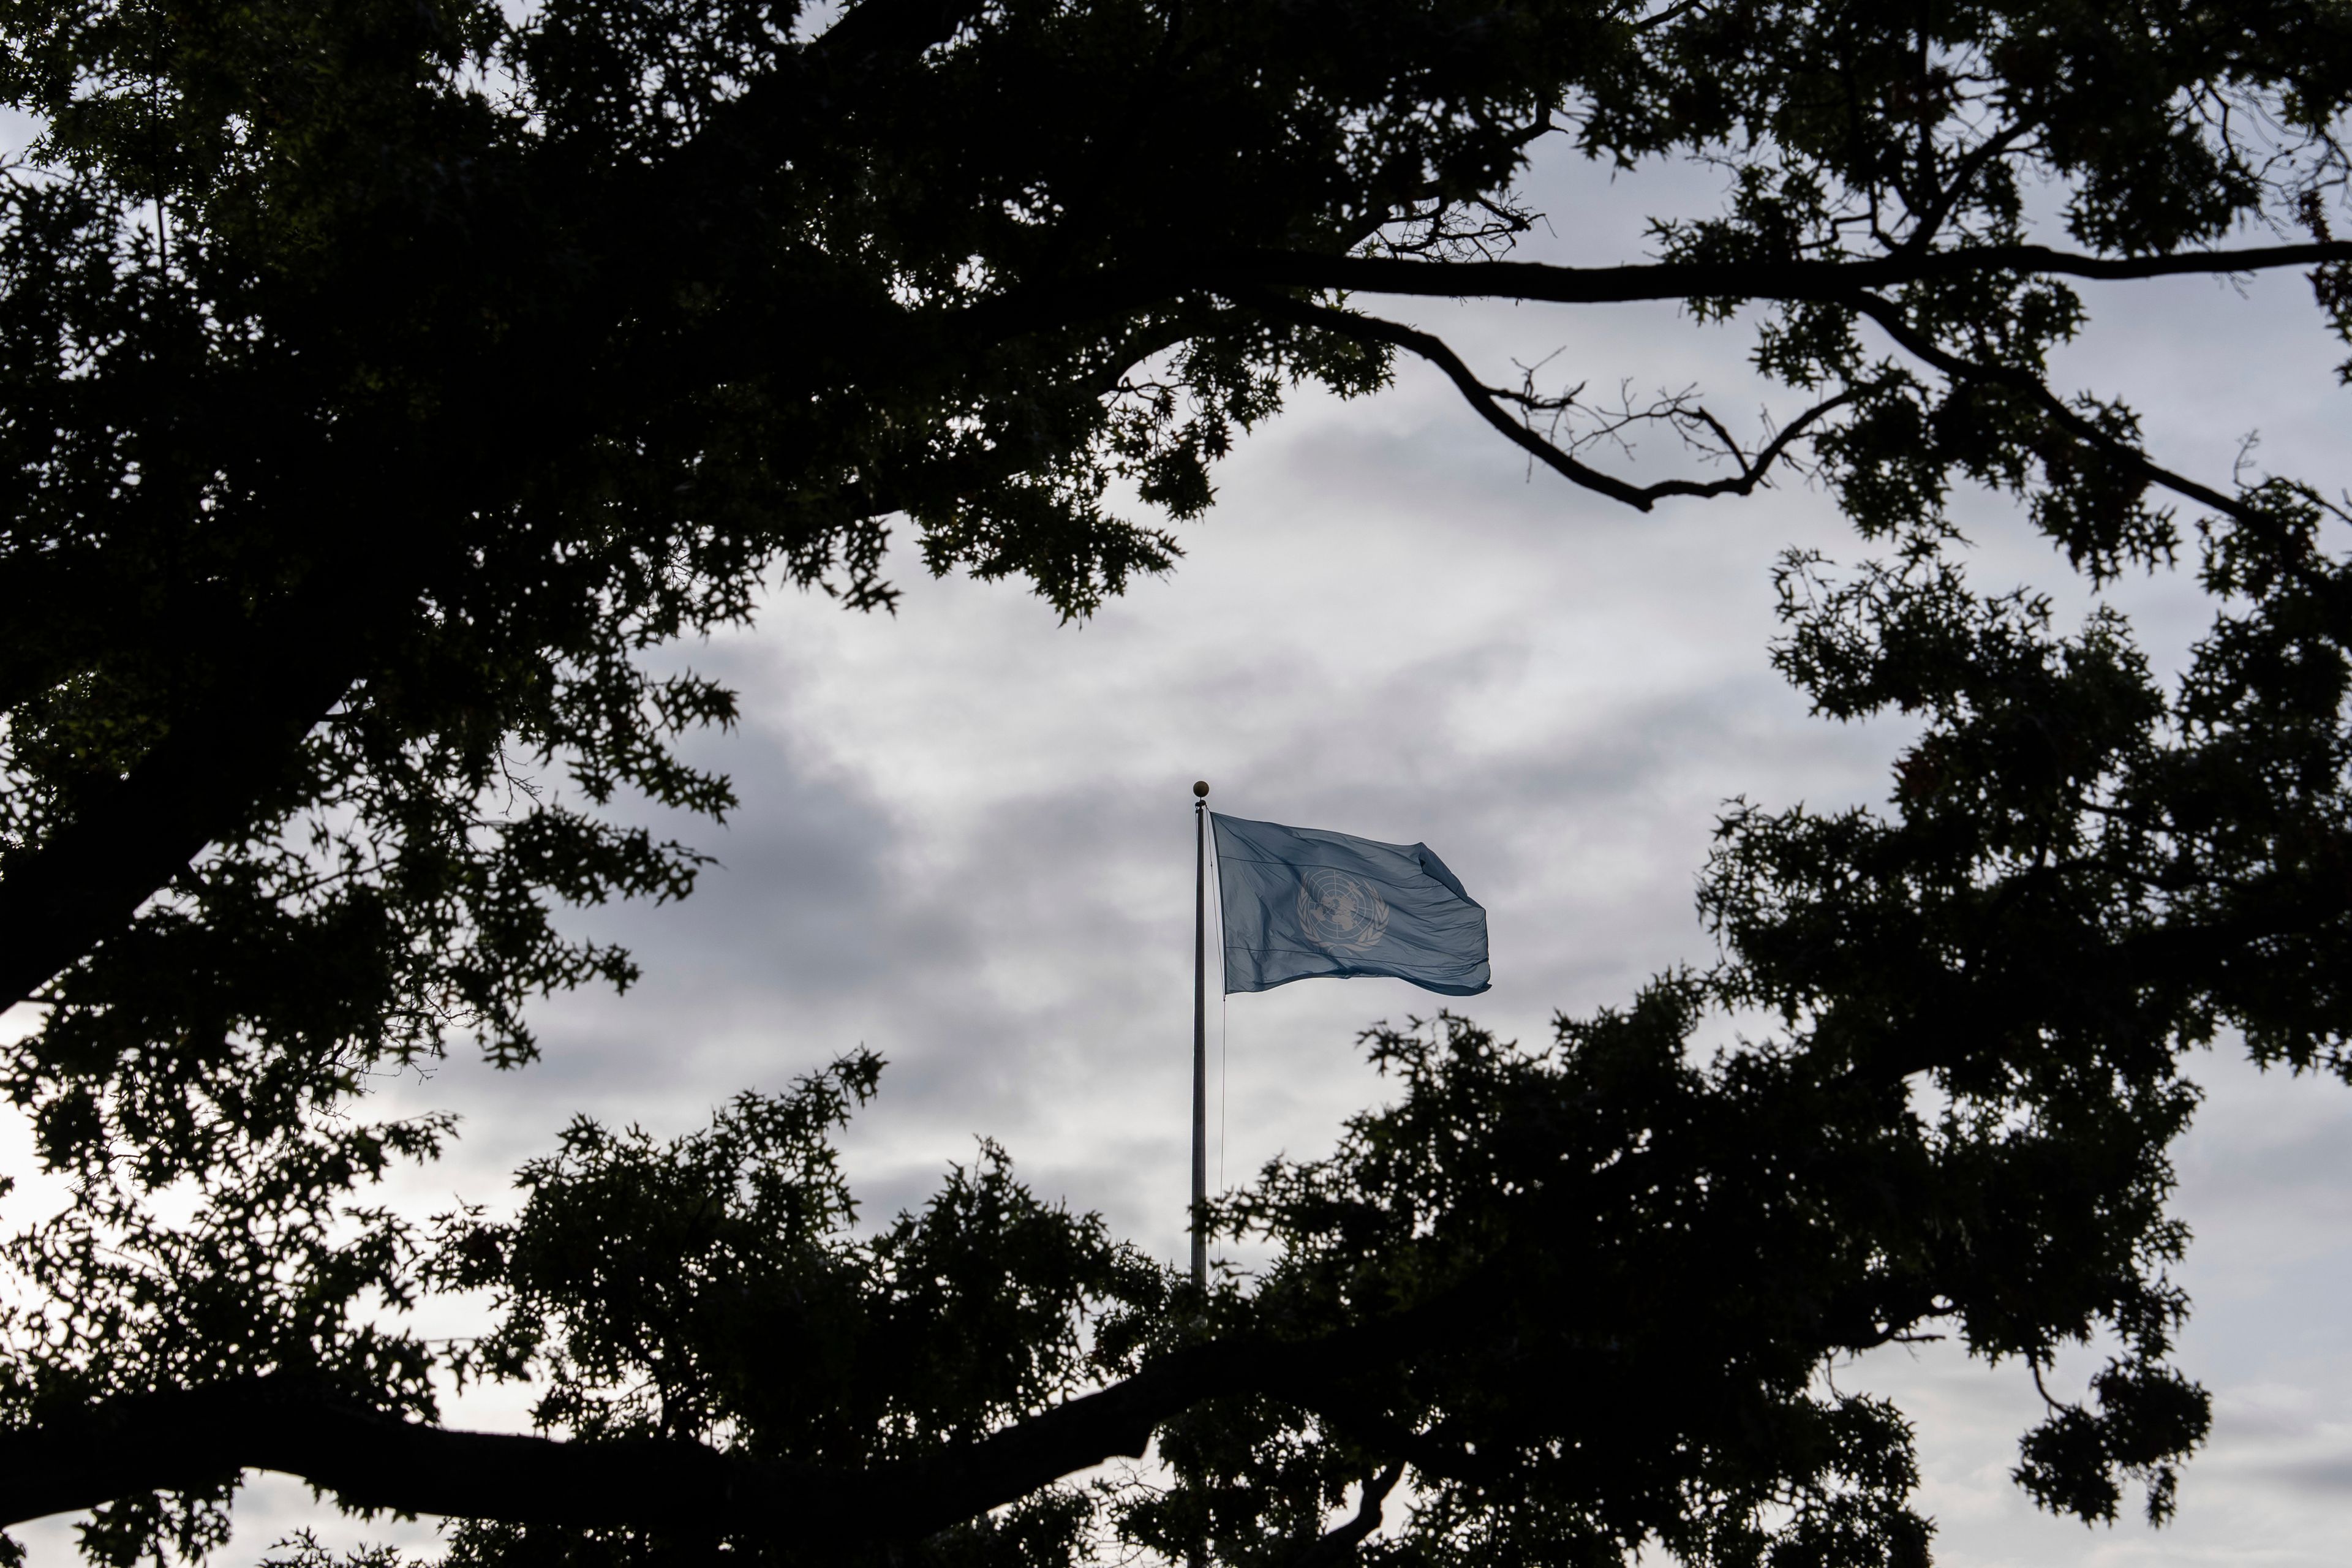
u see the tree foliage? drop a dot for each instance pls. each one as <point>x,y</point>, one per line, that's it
<point>382,382</point>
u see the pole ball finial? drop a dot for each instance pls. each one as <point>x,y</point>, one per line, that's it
<point>1201,788</point>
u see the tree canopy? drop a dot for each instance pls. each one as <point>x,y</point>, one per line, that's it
<point>380,381</point>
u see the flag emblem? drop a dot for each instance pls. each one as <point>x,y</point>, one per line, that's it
<point>1337,910</point>
<point>1298,902</point>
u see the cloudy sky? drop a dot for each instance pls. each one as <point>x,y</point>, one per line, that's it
<point>965,841</point>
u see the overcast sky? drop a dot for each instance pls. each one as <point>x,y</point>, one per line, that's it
<point>965,841</point>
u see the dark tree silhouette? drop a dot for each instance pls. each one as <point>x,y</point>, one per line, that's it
<point>380,380</point>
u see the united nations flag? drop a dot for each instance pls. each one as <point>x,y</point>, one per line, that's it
<point>1300,901</point>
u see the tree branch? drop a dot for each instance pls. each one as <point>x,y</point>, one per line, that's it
<point>129,837</point>
<point>890,32</point>
<point>1489,402</point>
<point>1890,319</point>
<point>1828,280</point>
<point>191,1438</point>
<point>1659,19</point>
<point>1338,1546</point>
<point>1964,175</point>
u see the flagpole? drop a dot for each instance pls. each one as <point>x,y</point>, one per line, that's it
<point>1200,1035</point>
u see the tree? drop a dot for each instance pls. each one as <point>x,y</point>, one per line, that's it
<point>383,381</point>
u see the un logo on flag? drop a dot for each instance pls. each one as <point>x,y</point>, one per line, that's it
<point>1337,910</point>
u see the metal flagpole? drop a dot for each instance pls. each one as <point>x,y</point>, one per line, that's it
<point>1198,1556</point>
<point>1200,1035</point>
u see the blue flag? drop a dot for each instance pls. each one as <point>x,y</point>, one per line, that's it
<point>1299,902</point>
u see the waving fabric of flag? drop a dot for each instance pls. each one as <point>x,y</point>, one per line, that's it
<point>1302,901</point>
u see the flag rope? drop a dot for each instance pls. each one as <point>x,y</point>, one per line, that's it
<point>1223,1054</point>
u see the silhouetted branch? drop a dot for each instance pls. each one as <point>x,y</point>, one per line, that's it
<point>1659,19</point>
<point>1890,319</point>
<point>1337,1546</point>
<point>1964,175</point>
<point>1826,281</point>
<point>129,836</point>
<point>194,1439</point>
<point>895,31</point>
<point>1488,402</point>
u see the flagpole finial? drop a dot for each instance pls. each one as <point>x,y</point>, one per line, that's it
<point>1201,788</point>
